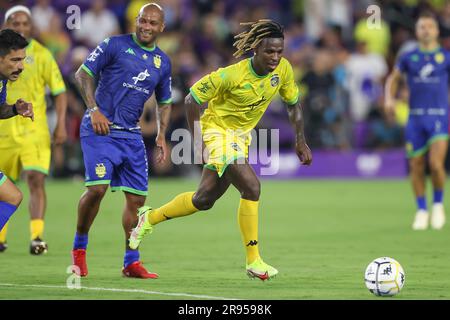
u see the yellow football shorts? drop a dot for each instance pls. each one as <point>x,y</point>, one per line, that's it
<point>29,156</point>
<point>224,148</point>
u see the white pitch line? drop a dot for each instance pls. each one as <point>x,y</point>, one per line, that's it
<point>173,294</point>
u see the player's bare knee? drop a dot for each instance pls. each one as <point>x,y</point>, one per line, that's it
<point>35,180</point>
<point>17,198</point>
<point>437,166</point>
<point>135,202</point>
<point>97,192</point>
<point>203,200</point>
<point>417,165</point>
<point>252,191</point>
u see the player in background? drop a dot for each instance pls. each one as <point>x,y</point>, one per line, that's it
<point>130,68</point>
<point>27,146</point>
<point>12,54</point>
<point>237,96</point>
<point>427,71</point>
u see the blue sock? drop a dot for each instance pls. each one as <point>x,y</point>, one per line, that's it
<point>421,203</point>
<point>438,196</point>
<point>6,211</point>
<point>130,257</point>
<point>81,241</point>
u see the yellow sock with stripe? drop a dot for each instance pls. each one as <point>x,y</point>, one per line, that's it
<point>3,233</point>
<point>180,206</point>
<point>37,228</point>
<point>248,224</point>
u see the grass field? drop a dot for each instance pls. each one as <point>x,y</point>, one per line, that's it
<point>319,234</point>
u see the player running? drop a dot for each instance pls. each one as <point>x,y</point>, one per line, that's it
<point>12,55</point>
<point>27,146</point>
<point>130,68</point>
<point>427,69</point>
<point>237,97</point>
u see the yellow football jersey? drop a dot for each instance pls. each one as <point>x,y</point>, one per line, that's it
<point>40,71</point>
<point>237,97</point>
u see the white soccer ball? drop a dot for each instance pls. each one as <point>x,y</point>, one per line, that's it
<point>384,277</point>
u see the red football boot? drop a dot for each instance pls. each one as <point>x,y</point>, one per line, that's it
<point>137,270</point>
<point>79,262</point>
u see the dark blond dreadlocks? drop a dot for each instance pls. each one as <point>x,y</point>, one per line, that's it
<point>250,39</point>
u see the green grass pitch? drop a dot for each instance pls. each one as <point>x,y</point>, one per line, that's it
<point>320,234</point>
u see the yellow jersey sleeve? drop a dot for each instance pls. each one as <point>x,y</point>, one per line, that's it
<point>52,76</point>
<point>289,90</point>
<point>212,85</point>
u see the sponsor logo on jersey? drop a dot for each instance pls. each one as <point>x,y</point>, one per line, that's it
<point>257,103</point>
<point>141,76</point>
<point>426,70</point>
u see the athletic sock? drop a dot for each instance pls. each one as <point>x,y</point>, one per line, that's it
<point>180,206</point>
<point>80,241</point>
<point>37,228</point>
<point>248,224</point>
<point>130,257</point>
<point>421,203</point>
<point>6,211</point>
<point>3,233</point>
<point>438,196</point>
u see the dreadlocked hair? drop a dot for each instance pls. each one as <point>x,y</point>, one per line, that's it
<point>250,39</point>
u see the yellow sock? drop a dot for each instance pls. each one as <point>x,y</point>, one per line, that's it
<point>36,228</point>
<point>180,206</point>
<point>3,233</point>
<point>248,223</point>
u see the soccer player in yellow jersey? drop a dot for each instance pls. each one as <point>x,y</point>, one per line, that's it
<point>12,54</point>
<point>25,145</point>
<point>237,97</point>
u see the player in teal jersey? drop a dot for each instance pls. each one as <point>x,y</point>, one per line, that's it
<point>129,68</point>
<point>427,71</point>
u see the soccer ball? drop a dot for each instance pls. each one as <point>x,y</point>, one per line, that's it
<point>384,277</point>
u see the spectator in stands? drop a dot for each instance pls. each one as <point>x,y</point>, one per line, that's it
<point>97,24</point>
<point>42,13</point>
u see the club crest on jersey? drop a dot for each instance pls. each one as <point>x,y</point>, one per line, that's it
<point>157,61</point>
<point>100,170</point>
<point>1,86</point>
<point>275,80</point>
<point>439,57</point>
<point>409,147</point>
<point>235,147</point>
<point>141,76</point>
